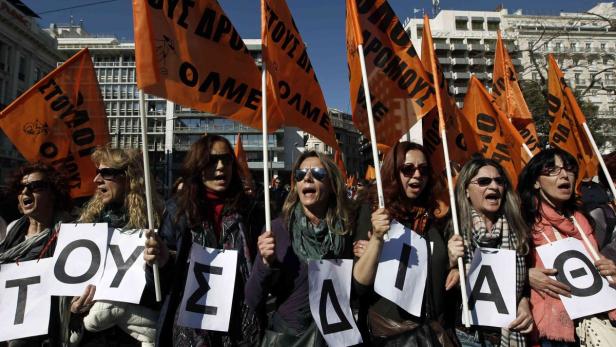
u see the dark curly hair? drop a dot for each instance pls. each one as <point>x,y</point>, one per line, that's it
<point>190,198</point>
<point>58,184</point>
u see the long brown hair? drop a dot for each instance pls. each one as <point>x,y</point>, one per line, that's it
<point>400,207</point>
<point>339,204</point>
<point>191,198</point>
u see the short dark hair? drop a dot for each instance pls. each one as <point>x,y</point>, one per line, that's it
<point>58,184</point>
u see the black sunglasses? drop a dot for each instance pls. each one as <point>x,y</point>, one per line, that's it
<point>318,173</point>
<point>225,158</point>
<point>34,186</point>
<point>408,170</point>
<point>110,173</point>
<point>486,181</point>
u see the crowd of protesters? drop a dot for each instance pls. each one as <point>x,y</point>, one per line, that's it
<point>316,217</point>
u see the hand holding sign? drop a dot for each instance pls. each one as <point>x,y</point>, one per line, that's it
<point>380,222</point>
<point>523,322</point>
<point>543,284</point>
<point>156,250</point>
<point>81,304</point>
<point>606,268</point>
<point>267,247</point>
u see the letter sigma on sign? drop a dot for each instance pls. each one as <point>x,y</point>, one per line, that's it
<point>329,291</point>
<point>494,294</point>
<point>192,303</point>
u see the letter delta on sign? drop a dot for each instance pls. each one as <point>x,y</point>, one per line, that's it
<point>78,258</point>
<point>329,283</point>
<point>590,292</point>
<point>492,287</point>
<point>25,304</point>
<point>208,295</point>
<point>403,269</point>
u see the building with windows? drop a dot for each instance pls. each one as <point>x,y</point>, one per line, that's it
<point>27,54</point>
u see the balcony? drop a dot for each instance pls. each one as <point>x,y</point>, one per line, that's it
<point>461,75</point>
<point>477,61</point>
<point>459,61</point>
<point>458,90</point>
<point>490,62</point>
<point>459,47</point>
<point>490,47</point>
<point>441,47</point>
<point>477,47</point>
<point>444,61</point>
<point>481,75</point>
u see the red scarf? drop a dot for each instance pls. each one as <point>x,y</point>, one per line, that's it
<point>215,203</point>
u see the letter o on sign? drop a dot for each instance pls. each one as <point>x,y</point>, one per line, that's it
<point>559,265</point>
<point>60,268</point>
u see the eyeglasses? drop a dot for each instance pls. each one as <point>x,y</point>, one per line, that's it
<point>318,173</point>
<point>109,173</point>
<point>555,171</point>
<point>34,186</point>
<point>408,170</point>
<point>486,181</point>
<point>226,158</point>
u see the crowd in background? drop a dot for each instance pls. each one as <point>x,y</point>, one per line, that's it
<point>315,216</point>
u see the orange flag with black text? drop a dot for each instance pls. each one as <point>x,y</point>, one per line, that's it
<point>566,130</point>
<point>340,163</point>
<point>495,136</point>
<point>291,79</point>
<point>193,55</point>
<point>509,97</point>
<point>242,163</point>
<point>400,88</point>
<point>453,121</point>
<point>60,121</point>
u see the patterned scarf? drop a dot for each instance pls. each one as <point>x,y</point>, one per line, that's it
<point>311,241</point>
<point>499,237</point>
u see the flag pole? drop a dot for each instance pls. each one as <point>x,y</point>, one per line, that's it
<point>373,141</point>
<point>608,177</point>
<point>148,183</point>
<point>452,200</point>
<point>266,192</point>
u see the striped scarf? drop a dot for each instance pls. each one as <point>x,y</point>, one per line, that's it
<point>499,237</point>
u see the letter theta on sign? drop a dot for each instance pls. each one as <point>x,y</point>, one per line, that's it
<point>403,268</point>
<point>590,292</point>
<point>329,283</point>
<point>209,289</point>
<point>492,287</point>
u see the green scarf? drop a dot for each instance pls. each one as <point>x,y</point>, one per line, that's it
<point>312,242</point>
<point>114,215</point>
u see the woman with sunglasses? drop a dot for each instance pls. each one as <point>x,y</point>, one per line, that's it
<point>44,200</point>
<point>407,184</point>
<point>489,216</point>
<point>547,189</point>
<point>315,224</point>
<point>208,211</point>
<point>119,201</point>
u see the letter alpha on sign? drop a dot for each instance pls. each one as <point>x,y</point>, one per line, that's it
<point>329,283</point>
<point>590,292</point>
<point>492,300</point>
<point>209,289</point>
<point>25,303</point>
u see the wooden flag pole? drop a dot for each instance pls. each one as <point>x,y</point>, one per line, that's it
<point>148,184</point>
<point>373,141</point>
<point>266,191</point>
<point>452,200</point>
<point>595,148</point>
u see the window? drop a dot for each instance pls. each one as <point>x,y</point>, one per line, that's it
<point>588,46</point>
<point>22,68</point>
<point>461,24</point>
<point>493,26</point>
<point>557,46</point>
<point>477,25</point>
<point>531,44</point>
<point>419,31</point>
<point>603,46</point>
<point>316,147</point>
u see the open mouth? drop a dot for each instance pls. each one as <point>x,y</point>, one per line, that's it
<point>219,177</point>
<point>564,186</point>
<point>309,192</point>
<point>27,201</point>
<point>102,189</point>
<point>493,197</point>
<point>415,185</point>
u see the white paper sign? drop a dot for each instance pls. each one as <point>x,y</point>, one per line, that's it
<point>124,276</point>
<point>208,295</point>
<point>590,292</point>
<point>403,268</point>
<point>329,283</point>
<point>79,257</point>
<point>492,287</point>
<point>24,302</point>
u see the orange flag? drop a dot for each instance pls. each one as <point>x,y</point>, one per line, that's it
<point>291,79</point>
<point>242,163</point>
<point>370,173</point>
<point>454,123</point>
<point>509,97</point>
<point>566,131</point>
<point>192,55</point>
<point>496,137</point>
<point>400,88</point>
<point>60,121</point>
<point>340,163</point>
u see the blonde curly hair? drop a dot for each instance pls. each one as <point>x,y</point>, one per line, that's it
<point>134,199</point>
